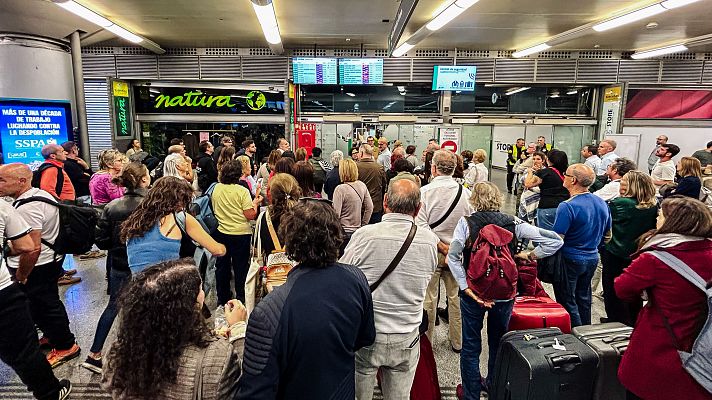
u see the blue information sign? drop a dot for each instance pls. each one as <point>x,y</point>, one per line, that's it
<point>27,125</point>
<point>360,71</point>
<point>314,71</point>
<point>456,78</point>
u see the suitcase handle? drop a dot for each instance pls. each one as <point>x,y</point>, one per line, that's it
<point>565,362</point>
<point>544,345</point>
<point>618,338</point>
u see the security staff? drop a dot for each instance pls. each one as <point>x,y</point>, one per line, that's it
<point>514,153</point>
<point>542,146</point>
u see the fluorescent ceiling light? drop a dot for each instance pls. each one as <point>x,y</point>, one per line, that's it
<point>85,13</point>
<point>402,49</point>
<point>624,19</point>
<point>268,21</point>
<point>444,17</point>
<point>572,91</point>
<point>469,3</point>
<point>658,52</point>
<point>669,4</point>
<point>119,31</point>
<point>534,49</point>
<point>513,91</point>
<point>555,95</point>
<point>350,94</point>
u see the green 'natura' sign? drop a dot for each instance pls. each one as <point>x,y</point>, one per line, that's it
<point>121,116</point>
<point>182,100</point>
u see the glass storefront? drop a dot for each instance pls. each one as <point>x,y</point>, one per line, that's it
<point>406,98</point>
<point>515,99</point>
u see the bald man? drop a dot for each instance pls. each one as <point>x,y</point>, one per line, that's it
<point>584,222</point>
<point>52,177</point>
<point>39,269</point>
<point>398,300</point>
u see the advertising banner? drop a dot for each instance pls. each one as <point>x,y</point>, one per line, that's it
<point>306,136</point>
<point>28,125</point>
<point>122,109</point>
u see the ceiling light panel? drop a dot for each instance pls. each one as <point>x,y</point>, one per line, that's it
<point>85,13</point>
<point>268,21</point>
<point>402,49</point>
<point>628,18</point>
<point>119,31</point>
<point>532,50</point>
<point>670,4</point>
<point>659,52</point>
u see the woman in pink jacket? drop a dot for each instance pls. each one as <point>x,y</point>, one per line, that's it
<point>651,368</point>
<point>101,187</point>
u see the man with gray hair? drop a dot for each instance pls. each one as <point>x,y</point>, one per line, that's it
<point>616,170</point>
<point>332,177</point>
<point>584,222</point>
<point>373,175</point>
<point>444,203</point>
<point>606,150</point>
<point>398,299</point>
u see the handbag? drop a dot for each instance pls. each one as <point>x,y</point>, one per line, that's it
<point>278,265</point>
<point>252,286</point>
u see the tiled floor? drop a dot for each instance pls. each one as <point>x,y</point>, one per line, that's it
<point>85,302</point>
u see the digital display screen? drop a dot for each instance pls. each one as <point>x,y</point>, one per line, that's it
<point>360,71</point>
<point>456,78</point>
<point>314,71</point>
<point>28,125</point>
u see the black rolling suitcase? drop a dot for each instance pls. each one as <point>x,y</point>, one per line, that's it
<point>543,364</point>
<point>609,341</point>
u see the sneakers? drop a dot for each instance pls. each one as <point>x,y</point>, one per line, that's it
<point>59,357</point>
<point>92,254</point>
<point>68,280</point>
<point>65,389</point>
<point>92,364</point>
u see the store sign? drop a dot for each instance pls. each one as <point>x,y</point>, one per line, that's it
<point>175,100</point>
<point>28,125</point>
<point>610,117</point>
<point>122,109</point>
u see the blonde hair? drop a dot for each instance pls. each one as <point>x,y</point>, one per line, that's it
<point>108,157</point>
<point>640,187</point>
<point>690,166</point>
<point>246,166</point>
<point>479,156</point>
<point>300,154</point>
<point>486,197</point>
<point>348,171</point>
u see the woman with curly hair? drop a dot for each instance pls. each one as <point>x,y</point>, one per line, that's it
<point>234,208</point>
<point>102,190</point>
<point>164,349</point>
<point>304,174</point>
<point>151,232</point>
<point>283,195</point>
<point>308,329</point>
<point>135,179</point>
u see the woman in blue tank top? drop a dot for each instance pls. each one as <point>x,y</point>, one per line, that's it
<point>151,233</point>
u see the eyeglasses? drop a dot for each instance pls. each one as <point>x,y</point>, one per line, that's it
<point>305,199</point>
<point>570,176</point>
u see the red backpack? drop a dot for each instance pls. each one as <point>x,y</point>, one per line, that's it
<point>491,272</point>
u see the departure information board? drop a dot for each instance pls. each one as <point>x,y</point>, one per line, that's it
<point>360,71</point>
<point>27,125</point>
<point>314,71</point>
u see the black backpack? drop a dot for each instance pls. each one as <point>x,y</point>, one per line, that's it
<point>76,226</point>
<point>37,177</point>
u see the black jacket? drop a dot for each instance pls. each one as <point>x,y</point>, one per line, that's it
<point>108,228</point>
<point>78,176</point>
<point>302,337</point>
<point>332,181</point>
<point>208,173</point>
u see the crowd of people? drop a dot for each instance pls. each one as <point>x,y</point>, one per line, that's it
<point>369,237</point>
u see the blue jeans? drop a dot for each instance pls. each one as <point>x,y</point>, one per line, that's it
<point>575,293</point>
<point>117,281</point>
<point>472,320</point>
<point>545,218</point>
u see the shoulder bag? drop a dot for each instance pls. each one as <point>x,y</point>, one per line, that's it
<point>449,210</point>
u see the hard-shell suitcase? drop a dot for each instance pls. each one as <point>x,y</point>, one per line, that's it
<point>543,365</point>
<point>609,341</point>
<point>539,312</point>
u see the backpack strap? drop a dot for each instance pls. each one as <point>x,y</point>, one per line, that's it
<point>18,203</point>
<point>449,210</point>
<point>686,272</point>
<point>60,177</point>
<point>272,233</point>
<point>397,259</point>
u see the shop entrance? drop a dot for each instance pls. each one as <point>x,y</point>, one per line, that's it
<point>156,136</point>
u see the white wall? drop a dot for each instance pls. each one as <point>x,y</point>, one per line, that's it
<point>690,139</point>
